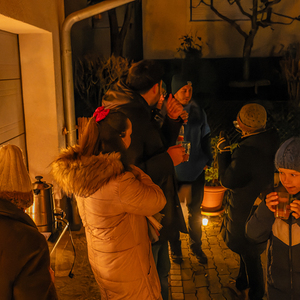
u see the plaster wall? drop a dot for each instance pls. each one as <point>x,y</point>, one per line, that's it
<point>164,22</point>
<point>38,24</point>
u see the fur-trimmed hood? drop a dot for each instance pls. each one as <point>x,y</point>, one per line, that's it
<point>84,175</point>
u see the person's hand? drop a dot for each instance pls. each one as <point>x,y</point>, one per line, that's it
<point>184,116</point>
<point>174,108</point>
<point>186,157</point>
<point>177,154</point>
<point>160,102</point>
<point>272,201</point>
<point>295,208</point>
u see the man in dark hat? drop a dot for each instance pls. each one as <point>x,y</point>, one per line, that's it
<point>196,131</point>
<point>248,172</point>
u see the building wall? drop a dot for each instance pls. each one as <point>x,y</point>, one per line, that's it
<point>164,22</point>
<point>92,37</point>
<point>38,24</point>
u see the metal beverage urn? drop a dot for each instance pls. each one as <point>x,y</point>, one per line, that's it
<point>42,210</point>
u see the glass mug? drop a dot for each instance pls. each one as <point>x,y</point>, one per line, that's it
<point>282,209</point>
<point>186,145</point>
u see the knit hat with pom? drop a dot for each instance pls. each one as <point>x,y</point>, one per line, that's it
<point>252,117</point>
<point>288,155</point>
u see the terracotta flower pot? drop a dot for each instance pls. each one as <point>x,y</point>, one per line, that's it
<point>213,198</point>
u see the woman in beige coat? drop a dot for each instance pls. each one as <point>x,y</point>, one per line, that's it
<point>113,200</point>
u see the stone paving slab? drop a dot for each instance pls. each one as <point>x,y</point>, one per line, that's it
<point>83,285</point>
<point>206,282</point>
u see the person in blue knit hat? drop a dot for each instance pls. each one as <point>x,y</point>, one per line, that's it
<point>196,131</point>
<point>283,236</point>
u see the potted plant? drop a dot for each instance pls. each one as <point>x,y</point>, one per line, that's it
<point>213,190</point>
<point>191,46</point>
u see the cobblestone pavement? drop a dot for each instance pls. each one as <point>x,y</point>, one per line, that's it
<point>192,281</point>
<point>83,285</point>
<point>188,281</point>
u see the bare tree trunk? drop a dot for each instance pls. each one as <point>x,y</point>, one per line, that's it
<point>114,29</point>
<point>247,53</point>
<point>249,42</point>
<point>117,36</point>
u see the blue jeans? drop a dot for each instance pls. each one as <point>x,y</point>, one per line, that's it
<point>160,252</point>
<point>194,216</point>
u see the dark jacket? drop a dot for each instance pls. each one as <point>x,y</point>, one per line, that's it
<point>24,257</point>
<point>248,172</point>
<point>197,132</point>
<point>148,151</point>
<point>283,259</point>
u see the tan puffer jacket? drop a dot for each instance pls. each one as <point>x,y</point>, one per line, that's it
<point>119,248</point>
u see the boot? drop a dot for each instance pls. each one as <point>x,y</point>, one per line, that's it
<point>198,252</point>
<point>176,253</point>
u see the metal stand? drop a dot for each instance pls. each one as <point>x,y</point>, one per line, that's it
<point>64,223</point>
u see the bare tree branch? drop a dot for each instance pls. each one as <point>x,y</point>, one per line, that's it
<point>238,3</point>
<point>231,22</point>
<point>126,22</point>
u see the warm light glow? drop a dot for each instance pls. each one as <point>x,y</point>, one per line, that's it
<point>204,221</point>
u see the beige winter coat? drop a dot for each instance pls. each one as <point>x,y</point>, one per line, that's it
<point>115,224</point>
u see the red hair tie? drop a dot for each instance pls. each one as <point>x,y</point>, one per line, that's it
<point>100,113</point>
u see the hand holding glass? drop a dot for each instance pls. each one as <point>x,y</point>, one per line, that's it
<point>187,146</point>
<point>282,209</point>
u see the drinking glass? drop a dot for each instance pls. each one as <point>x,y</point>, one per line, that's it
<point>282,209</point>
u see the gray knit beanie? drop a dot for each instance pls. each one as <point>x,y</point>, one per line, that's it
<point>179,81</point>
<point>288,155</point>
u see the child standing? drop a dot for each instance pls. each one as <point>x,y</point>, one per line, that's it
<point>283,260</point>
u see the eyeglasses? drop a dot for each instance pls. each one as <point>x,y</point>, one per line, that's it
<point>236,124</point>
<point>163,92</point>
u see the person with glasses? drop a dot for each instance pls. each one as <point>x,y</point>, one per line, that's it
<point>136,95</point>
<point>248,172</point>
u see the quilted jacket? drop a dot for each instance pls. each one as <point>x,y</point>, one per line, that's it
<point>283,259</point>
<point>114,217</point>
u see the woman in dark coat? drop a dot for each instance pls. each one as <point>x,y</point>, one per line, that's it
<point>248,172</point>
<point>24,254</point>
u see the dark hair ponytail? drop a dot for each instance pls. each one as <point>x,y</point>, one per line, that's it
<point>105,136</point>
